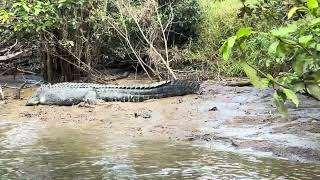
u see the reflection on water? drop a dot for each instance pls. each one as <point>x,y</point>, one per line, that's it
<point>28,151</point>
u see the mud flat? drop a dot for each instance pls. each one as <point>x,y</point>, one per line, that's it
<point>237,119</point>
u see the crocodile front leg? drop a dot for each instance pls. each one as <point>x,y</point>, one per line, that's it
<point>91,97</point>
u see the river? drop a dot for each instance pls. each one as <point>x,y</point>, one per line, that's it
<point>29,150</point>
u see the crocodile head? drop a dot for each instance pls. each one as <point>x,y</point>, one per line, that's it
<point>35,98</point>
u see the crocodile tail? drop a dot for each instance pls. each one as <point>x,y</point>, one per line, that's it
<point>186,87</point>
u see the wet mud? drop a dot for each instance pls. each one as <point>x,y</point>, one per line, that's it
<point>236,119</point>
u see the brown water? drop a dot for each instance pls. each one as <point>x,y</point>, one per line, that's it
<point>31,151</point>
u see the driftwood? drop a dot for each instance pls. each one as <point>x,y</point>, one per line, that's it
<point>16,55</point>
<point>239,83</point>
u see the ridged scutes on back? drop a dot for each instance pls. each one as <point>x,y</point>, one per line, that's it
<point>97,86</point>
<point>191,85</point>
<point>181,83</point>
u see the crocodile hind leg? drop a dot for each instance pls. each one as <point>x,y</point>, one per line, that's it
<point>91,98</point>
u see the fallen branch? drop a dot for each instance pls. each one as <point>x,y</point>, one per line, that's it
<point>9,87</point>
<point>17,55</point>
<point>3,73</point>
<point>8,49</point>
<point>239,83</point>
<point>26,72</point>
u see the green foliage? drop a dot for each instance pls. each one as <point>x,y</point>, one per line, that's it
<point>79,31</point>
<point>63,32</point>
<point>279,98</point>
<point>221,19</point>
<point>187,15</point>
<point>295,44</point>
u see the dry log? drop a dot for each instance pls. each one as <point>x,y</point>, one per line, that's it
<point>239,83</point>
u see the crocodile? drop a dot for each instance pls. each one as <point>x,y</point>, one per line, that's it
<point>67,94</point>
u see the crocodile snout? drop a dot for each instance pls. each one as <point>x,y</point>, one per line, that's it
<point>33,101</point>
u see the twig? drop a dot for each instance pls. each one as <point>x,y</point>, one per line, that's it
<point>16,55</point>
<point>163,34</point>
<point>151,44</point>
<point>9,87</point>
<point>8,49</point>
<point>27,72</point>
<point>3,73</point>
<point>18,96</point>
<point>1,94</point>
<point>266,76</point>
<point>12,46</point>
<point>125,36</point>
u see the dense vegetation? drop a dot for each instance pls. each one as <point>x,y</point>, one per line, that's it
<point>72,38</point>
<point>295,45</point>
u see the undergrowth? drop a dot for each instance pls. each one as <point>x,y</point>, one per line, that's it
<point>222,18</point>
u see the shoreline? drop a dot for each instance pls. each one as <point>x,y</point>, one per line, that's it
<point>236,119</point>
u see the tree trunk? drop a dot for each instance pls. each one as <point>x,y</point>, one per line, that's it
<point>49,66</point>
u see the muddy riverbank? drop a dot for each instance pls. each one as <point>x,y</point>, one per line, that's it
<point>237,119</point>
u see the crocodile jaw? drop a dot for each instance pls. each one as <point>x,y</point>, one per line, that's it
<point>33,101</point>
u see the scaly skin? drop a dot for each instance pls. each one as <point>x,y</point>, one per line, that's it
<point>74,93</point>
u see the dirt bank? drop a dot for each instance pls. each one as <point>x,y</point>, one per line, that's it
<point>239,119</point>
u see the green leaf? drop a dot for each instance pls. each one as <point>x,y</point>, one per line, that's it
<point>291,95</point>
<point>312,4</point>
<point>279,98</point>
<point>314,22</point>
<point>273,48</point>
<point>4,16</point>
<point>244,32</point>
<point>298,87</point>
<point>299,64</point>
<point>253,75</point>
<point>37,11</point>
<point>284,31</point>
<point>304,40</point>
<point>314,90</point>
<point>227,47</point>
<point>292,12</point>
<point>25,7</point>
<point>281,50</point>
<point>269,76</point>
<point>318,47</point>
<point>17,4</point>
<point>271,80</point>
<point>316,76</point>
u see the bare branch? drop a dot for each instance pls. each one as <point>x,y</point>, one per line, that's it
<point>18,96</point>
<point>1,94</point>
<point>17,55</point>
<point>149,40</point>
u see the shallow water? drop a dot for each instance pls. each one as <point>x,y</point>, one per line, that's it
<point>32,151</point>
